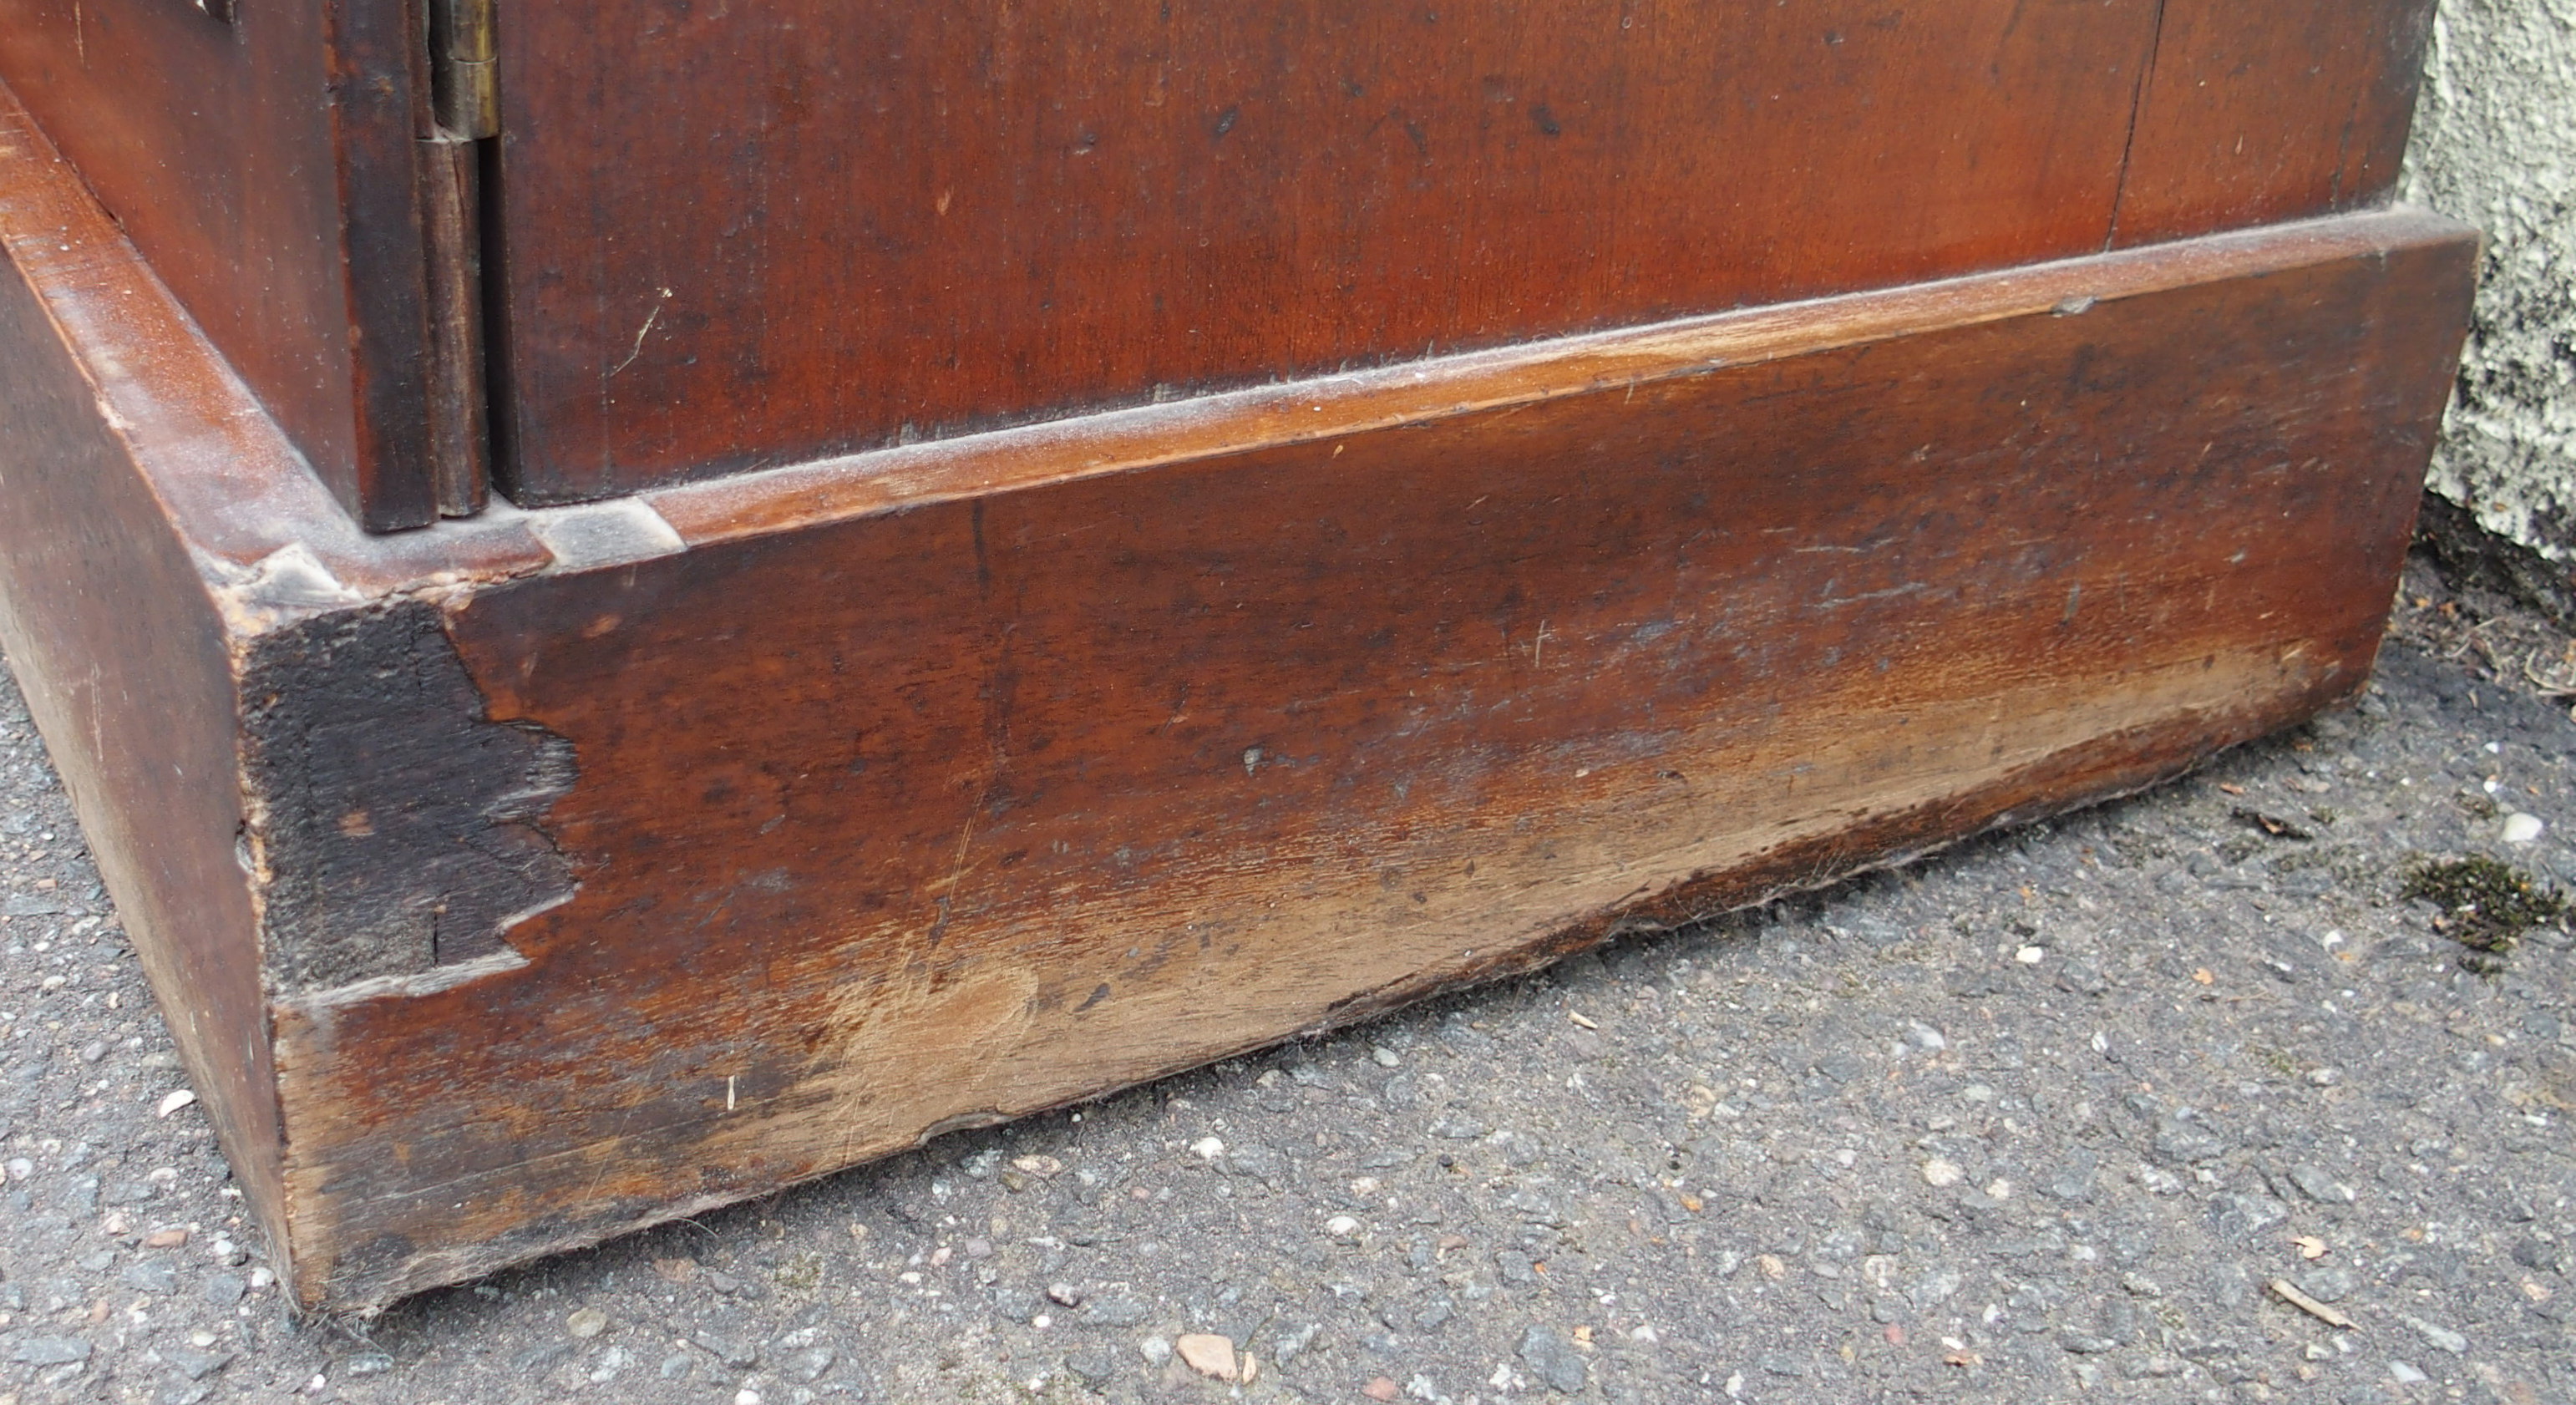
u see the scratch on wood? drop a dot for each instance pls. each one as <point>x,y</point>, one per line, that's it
<point>640,334</point>
<point>947,887</point>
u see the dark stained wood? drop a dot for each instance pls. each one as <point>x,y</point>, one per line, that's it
<point>460,430</point>
<point>152,521</point>
<point>268,168</point>
<point>1509,379</point>
<point>122,655</point>
<point>513,882</point>
<point>2271,111</point>
<point>1010,792</point>
<point>757,235</point>
<point>739,237</point>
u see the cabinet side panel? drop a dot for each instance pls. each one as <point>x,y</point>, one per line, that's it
<point>2256,112</point>
<point>123,657</point>
<point>264,166</point>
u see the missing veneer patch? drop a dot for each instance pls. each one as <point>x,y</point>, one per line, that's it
<point>395,827</point>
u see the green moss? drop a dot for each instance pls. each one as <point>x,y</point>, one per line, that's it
<point>802,1273</point>
<point>2351,866</point>
<point>2277,1060</point>
<point>2486,905</point>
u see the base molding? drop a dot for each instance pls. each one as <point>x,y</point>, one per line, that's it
<point>526,879</point>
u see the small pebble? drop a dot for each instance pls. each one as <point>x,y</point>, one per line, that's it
<point>2320,1187</point>
<point>2520,828</point>
<point>50,1351</point>
<point>1941,1172</point>
<point>194,1363</point>
<point>586,1323</point>
<point>1208,1354</point>
<point>2438,1335</point>
<point>1552,1359</point>
<point>1097,1365</point>
<point>151,1276</point>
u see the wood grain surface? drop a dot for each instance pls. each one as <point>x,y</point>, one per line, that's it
<point>812,812</point>
<point>940,814</point>
<point>909,223</point>
<point>123,656</point>
<point>2261,112</point>
<point>267,167</point>
<point>744,237</point>
<point>738,237</point>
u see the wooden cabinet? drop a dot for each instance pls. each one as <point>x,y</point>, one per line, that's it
<point>957,216</point>
<point>647,600</point>
<point>716,239</point>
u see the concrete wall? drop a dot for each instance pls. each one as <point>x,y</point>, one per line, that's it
<point>2495,144</point>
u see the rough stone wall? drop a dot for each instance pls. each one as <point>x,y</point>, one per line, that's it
<point>2495,144</point>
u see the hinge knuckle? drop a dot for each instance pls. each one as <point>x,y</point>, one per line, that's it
<point>464,67</point>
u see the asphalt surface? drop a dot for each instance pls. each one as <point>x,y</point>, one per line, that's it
<point>2044,1117</point>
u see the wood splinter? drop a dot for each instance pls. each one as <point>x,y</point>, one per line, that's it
<point>2283,1289</point>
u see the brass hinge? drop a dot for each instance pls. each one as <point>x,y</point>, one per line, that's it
<point>463,69</point>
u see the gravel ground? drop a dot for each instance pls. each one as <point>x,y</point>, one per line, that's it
<point>2041,1118</point>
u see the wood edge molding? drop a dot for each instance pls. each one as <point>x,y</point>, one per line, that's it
<point>241,493</point>
<point>1327,407</point>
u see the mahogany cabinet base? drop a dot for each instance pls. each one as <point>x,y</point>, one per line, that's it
<point>528,879</point>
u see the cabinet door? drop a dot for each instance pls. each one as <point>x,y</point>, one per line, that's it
<point>266,161</point>
<point>738,235</point>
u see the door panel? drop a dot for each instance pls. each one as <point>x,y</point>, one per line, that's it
<point>739,235</point>
<point>268,167</point>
